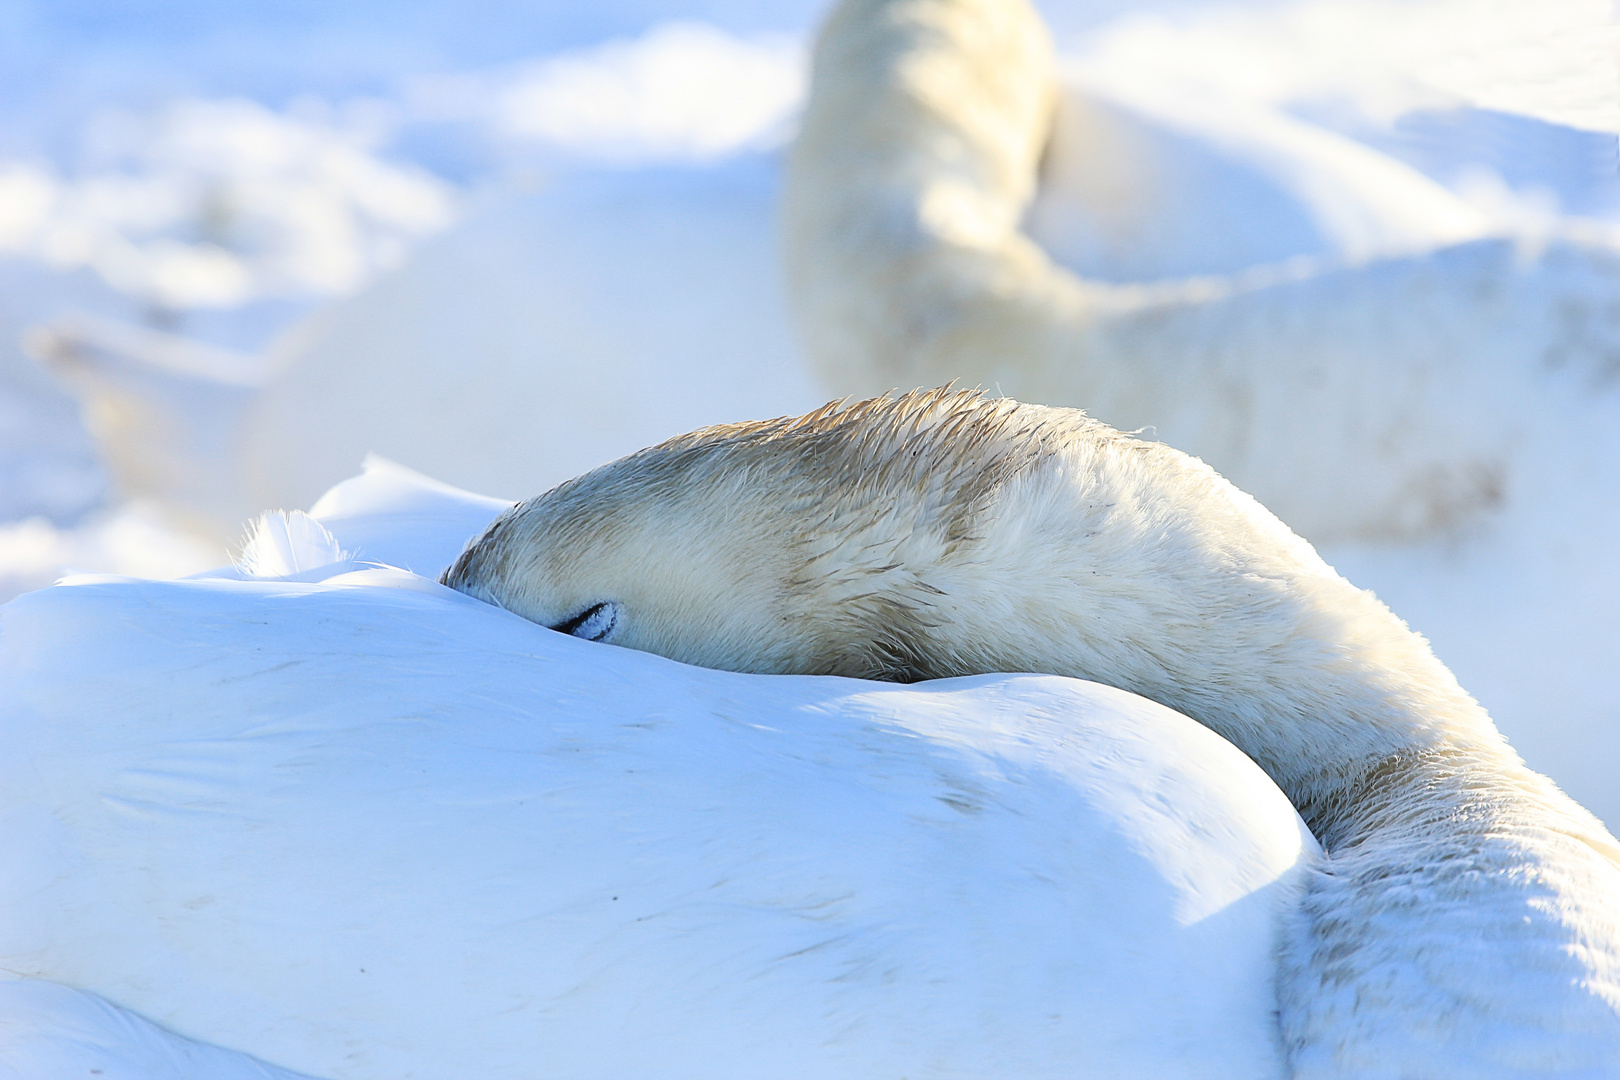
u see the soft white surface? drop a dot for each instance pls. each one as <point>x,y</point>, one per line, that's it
<point>390,514</point>
<point>1235,138</point>
<point>1552,61</point>
<point>368,827</point>
<point>613,310</point>
<point>627,307</point>
<point>134,538</point>
<point>1139,185</point>
<point>50,1030</point>
<point>549,334</point>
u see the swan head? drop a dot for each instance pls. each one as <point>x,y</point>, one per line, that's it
<point>936,533</point>
<point>641,553</point>
<point>834,543</point>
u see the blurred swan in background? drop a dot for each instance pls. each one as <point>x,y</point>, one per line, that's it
<point>1348,340</point>
<point>500,357</point>
<point>1329,324</point>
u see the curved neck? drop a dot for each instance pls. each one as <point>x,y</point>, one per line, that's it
<point>1314,679</point>
<point>1340,733</point>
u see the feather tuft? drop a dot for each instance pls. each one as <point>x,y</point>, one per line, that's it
<point>286,542</point>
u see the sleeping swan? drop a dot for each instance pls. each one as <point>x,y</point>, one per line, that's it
<point>1389,399</point>
<point>1465,921</point>
<point>347,821</point>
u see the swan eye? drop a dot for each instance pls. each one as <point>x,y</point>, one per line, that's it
<point>595,623</point>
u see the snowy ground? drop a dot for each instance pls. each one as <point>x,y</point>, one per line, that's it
<point>249,178</point>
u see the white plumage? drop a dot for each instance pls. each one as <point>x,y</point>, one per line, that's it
<point>1463,923</point>
<point>1373,374</point>
<point>368,827</point>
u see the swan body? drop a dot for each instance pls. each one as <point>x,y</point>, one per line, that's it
<point>51,1031</point>
<point>499,357</point>
<point>1465,921</point>
<point>551,331</point>
<point>344,822</point>
<point>1347,396</point>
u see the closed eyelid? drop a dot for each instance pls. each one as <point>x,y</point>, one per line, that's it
<point>594,623</point>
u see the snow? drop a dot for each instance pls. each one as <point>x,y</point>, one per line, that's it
<point>215,203</point>
<point>1554,62</point>
<point>134,538</point>
<point>354,824</point>
<point>682,90</point>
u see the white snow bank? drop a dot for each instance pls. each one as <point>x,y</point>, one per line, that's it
<point>135,538</point>
<point>1233,135</point>
<point>369,827</point>
<point>219,202</point>
<point>681,91</point>
<point>1135,187</point>
<point>1554,61</point>
<point>215,203</point>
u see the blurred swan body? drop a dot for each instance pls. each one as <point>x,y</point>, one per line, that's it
<point>545,334</point>
<point>928,224</point>
<point>1465,922</point>
<point>1373,392</point>
<point>347,822</point>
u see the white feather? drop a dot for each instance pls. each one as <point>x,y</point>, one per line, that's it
<point>286,542</point>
